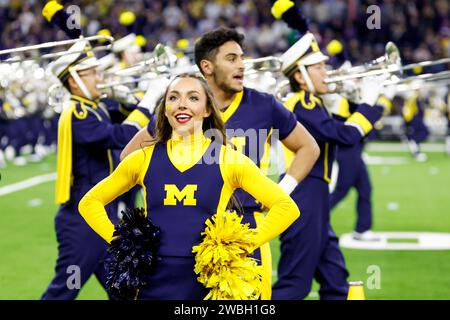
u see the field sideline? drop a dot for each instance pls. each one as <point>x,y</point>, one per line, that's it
<point>408,196</point>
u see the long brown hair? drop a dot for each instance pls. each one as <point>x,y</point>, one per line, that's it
<point>214,121</point>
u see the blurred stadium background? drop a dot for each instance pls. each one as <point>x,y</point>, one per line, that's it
<point>408,195</point>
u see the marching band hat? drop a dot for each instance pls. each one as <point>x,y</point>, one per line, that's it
<point>304,52</point>
<point>78,57</point>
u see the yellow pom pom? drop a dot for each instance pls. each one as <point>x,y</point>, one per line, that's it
<point>222,260</point>
<point>140,40</point>
<point>126,18</point>
<point>280,7</point>
<point>334,47</point>
<point>182,44</point>
<point>417,70</point>
<point>50,9</point>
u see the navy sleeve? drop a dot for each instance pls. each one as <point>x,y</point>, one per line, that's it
<point>282,119</point>
<point>326,129</point>
<point>103,134</point>
<point>151,127</point>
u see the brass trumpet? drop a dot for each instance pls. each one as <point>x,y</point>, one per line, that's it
<point>264,64</point>
<point>390,62</point>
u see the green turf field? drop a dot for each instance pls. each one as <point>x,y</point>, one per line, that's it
<point>407,197</point>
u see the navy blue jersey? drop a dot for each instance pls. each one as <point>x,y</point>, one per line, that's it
<point>190,197</point>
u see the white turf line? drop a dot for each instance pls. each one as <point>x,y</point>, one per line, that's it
<point>398,147</point>
<point>28,183</point>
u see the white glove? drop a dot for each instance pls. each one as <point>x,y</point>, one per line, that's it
<point>390,91</point>
<point>154,92</point>
<point>122,94</point>
<point>370,90</point>
<point>331,101</point>
<point>350,90</point>
<point>288,183</point>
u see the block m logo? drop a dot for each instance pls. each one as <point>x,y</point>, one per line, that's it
<point>173,195</point>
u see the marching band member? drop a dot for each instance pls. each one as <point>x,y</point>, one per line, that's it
<point>182,189</point>
<point>309,248</point>
<point>413,112</point>
<point>86,137</point>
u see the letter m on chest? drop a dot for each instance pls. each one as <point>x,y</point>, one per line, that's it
<point>174,195</point>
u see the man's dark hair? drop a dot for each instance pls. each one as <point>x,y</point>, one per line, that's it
<point>207,46</point>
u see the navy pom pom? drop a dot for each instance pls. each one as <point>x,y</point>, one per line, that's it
<point>61,19</point>
<point>295,20</point>
<point>131,255</point>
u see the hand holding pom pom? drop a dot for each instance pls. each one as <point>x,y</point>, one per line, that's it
<point>131,255</point>
<point>222,259</point>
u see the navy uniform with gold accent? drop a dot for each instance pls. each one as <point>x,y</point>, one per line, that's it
<point>86,140</point>
<point>416,131</point>
<point>353,173</point>
<point>309,247</point>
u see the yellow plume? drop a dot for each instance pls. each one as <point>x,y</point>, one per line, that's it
<point>50,9</point>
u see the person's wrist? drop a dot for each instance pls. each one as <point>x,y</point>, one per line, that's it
<point>288,183</point>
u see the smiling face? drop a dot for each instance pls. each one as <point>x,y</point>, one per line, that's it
<point>227,68</point>
<point>186,106</point>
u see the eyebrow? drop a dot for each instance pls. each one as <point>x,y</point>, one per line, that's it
<point>234,55</point>
<point>189,92</point>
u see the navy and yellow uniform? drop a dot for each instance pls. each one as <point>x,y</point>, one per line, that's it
<point>252,120</point>
<point>86,138</point>
<point>413,114</point>
<point>309,247</point>
<point>185,182</point>
<point>353,173</point>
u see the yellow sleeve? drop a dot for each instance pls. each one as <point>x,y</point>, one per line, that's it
<point>241,172</point>
<point>127,175</point>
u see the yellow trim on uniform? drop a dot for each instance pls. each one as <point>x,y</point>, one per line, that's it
<point>82,100</point>
<point>386,103</point>
<point>325,163</point>
<point>265,159</point>
<point>64,158</point>
<point>344,108</point>
<point>410,108</point>
<point>292,102</point>
<point>359,119</point>
<point>138,117</point>
<point>266,263</point>
<point>308,106</point>
<point>233,106</point>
